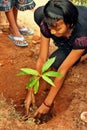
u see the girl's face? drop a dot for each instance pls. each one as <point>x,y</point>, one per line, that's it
<point>60,29</point>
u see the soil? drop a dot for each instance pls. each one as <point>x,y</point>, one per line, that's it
<point>69,102</point>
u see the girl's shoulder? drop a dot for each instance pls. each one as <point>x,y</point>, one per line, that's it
<point>44,29</point>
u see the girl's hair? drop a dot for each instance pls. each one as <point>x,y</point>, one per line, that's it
<point>61,9</point>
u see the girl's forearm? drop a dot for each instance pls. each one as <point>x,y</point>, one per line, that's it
<point>54,90</point>
<point>39,65</point>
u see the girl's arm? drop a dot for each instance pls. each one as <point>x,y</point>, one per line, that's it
<point>43,54</point>
<point>44,48</point>
<point>63,69</point>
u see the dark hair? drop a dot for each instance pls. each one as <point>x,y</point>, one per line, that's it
<point>61,9</point>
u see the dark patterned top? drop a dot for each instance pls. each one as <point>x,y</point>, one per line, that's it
<point>78,39</point>
<point>19,4</point>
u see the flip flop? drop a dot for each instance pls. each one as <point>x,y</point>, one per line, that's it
<point>24,31</point>
<point>16,39</point>
<point>83,116</point>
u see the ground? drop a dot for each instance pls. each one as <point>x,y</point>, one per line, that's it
<point>69,102</point>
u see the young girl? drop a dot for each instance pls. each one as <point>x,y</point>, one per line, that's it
<point>11,8</point>
<point>66,24</point>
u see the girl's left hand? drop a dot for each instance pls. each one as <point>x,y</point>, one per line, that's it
<point>41,111</point>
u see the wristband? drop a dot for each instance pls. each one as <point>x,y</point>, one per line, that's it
<point>46,104</point>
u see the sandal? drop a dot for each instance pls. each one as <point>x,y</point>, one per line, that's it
<point>83,116</point>
<point>18,41</point>
<point>24,31</point>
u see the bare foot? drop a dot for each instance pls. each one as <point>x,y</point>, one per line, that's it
<point>17,33</point>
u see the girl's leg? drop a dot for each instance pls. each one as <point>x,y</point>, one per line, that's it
<point>12,23</point>
<point>15,13</point>
<point>60,55</point>
<point>16,36</point>
<point>22,29</point>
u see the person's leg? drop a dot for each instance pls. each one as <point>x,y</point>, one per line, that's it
<point>60,54</point>
<point>22,29</point>
<point>15,36</point>
<point>12,23</point>
<point>15,13</point>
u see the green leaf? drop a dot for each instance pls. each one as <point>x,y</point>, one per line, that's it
<point>30,71</point>
<point>21,73</point>
<point>48,80</point>
<point>31,83</point>
<point>48,63</point>
<point>53,74</point>
<point>36,87</point>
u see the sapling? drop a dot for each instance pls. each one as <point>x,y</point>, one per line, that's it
<point>36,76</point>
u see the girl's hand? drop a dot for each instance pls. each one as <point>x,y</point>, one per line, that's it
<point>30,99</point>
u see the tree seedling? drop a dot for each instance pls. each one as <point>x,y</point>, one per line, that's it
<point>36,76</point>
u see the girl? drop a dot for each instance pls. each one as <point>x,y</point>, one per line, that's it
<point>66,24</point>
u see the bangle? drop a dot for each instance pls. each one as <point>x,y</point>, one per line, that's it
<point>46,104</point>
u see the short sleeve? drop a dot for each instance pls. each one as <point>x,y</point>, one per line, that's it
<point>80,43</point>
<point>44,29</point>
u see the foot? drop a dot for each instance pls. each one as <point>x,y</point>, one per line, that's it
<point>25,31</point>
<point>22,30</point>
<point>83,116</point>
<point>18,41</point>
<point>17,38</point>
